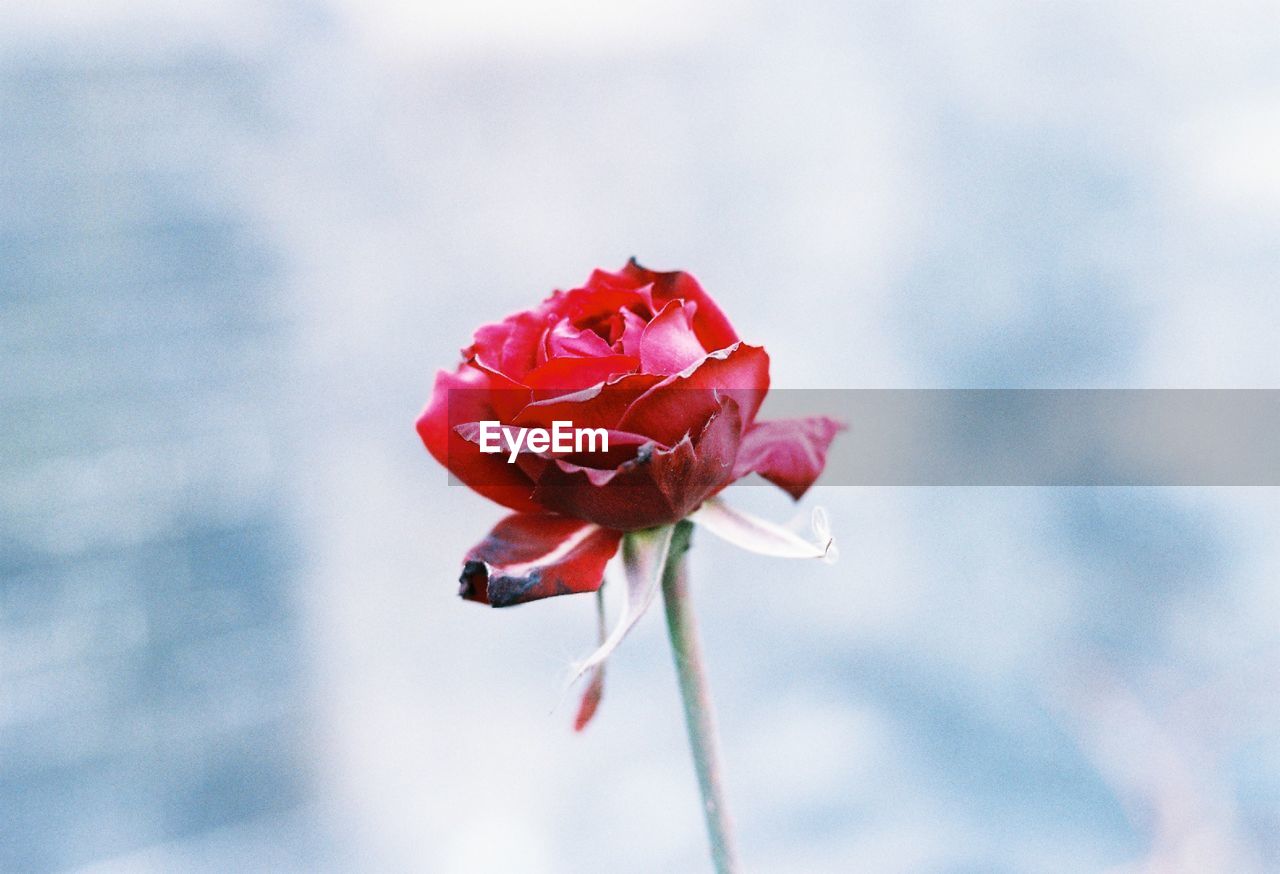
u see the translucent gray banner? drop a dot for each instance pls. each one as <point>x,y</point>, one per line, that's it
<point>940,437</point>
<point>1046,437</point>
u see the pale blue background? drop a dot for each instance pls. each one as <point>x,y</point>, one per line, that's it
<point>236,240</point>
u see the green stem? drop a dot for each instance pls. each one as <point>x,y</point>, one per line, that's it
<point>698,712</point>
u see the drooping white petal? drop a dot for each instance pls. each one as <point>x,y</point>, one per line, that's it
<point>644,555</point>
<point>764,537</point>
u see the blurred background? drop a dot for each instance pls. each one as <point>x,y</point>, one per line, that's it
<point>237,239</point>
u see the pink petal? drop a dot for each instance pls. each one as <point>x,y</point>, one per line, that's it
<point>668,344</point>
<point>537,555</point>
<point>789,453</point>
<point>632,331</point>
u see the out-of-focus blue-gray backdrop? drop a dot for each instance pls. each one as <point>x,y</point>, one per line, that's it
<point>236,240</point>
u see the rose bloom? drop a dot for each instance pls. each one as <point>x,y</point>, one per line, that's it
<point>647,356</point>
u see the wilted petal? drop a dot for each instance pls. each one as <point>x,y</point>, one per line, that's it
<point>789,453</point>
<point>762,536</point>
<point>657,487</point>
<point>595,686</point>
<point>537,555</point>
<point>644,555</point>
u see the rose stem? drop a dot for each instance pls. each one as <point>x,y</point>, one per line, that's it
<point>698,711</point>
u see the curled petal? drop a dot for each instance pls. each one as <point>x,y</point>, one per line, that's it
<point>566,341</point>
<point>790,453</point>
<point>536,555</point>
<point>682,402</point>
<point>764,537</point>
<point>632,330</point>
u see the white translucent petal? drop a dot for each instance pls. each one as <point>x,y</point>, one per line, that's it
<point>644,555</point>
<point>764,537</point>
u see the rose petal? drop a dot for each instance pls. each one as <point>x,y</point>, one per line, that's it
<point>789,453</point>
<point>657,487</point>
<point>510,347</point>
<point>603,295</point>
<point>668,344</point>
<point>595,686</point>
<point>644,554</point>
<point>505,396</point>
<point>565,375</point>
<point>681,403</point>
<point>762,536</point>
<point>566,341</point>
<point>709,323</point>
<point>598,406</point>
<point>460,397</point>
<point>623,447</point>
<point>536,555</point>
<point>632,331</point>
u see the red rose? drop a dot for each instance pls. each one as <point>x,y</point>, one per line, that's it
<point>650,358</point>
